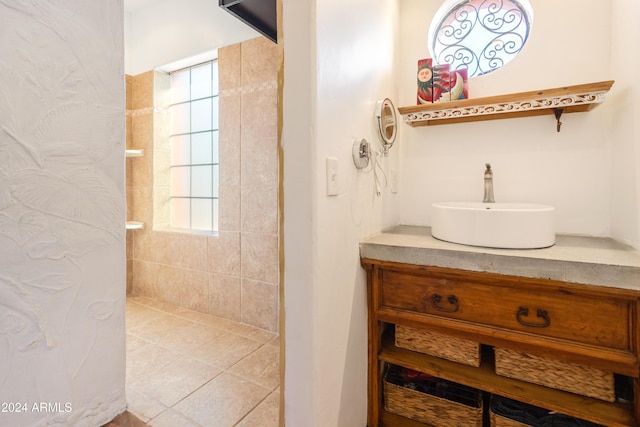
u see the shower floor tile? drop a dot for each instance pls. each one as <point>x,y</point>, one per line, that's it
<point>186,368</point>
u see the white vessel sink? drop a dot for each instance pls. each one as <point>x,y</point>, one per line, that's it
<point>495,225</point>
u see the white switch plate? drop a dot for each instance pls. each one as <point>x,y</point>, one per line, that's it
<point>394,181</point>
<point>333,187</point>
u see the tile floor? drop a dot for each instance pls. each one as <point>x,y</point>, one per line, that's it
<point>186,368</point>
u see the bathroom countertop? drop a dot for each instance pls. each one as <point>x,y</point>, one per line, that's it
<point>578,259</point>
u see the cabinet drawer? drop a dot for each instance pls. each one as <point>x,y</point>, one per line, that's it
<point>505,303</point>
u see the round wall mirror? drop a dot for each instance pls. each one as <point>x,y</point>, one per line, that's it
<point>387,123</point>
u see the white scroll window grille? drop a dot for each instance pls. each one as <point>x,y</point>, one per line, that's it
<point>479,35</point>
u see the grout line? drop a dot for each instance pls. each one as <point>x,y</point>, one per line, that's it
<point>146,303</point>
<point>253,409</point>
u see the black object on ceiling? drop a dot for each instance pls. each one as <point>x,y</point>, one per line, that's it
<point>259,14</point>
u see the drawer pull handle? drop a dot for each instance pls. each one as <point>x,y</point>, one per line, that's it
<point>524,312</point>
<point>453,300</point>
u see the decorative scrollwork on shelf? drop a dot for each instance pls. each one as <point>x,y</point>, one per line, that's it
<point>505,107</point>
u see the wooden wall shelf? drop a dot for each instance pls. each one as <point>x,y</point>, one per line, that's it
<point>570,99</point>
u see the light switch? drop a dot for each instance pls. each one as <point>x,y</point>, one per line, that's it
<point>333,188</point>
<point>394,181</point>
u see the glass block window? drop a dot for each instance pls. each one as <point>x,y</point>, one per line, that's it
<point>194,148</point>
<point>479,35</point>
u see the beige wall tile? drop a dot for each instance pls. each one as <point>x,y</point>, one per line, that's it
<point>128,170</point>
<point>224,253</point>
<point>260,61</point>
<point>229,139</point>
<point>129,244</point>
<point>171,281</point>
<point>142,171</point>
<point>260,304</point>
<point>259,257</point>
<point>224,296</point>
<point>183,250</point>
<point>145,244</point>
<point>145,277</point>
<point>259,162</point>
<point>143,90</point>
<point>195,292</point>
<point>229,63</point>
<point>259,118</point>
<point>129,91</point>
<point>129,131</point>
<point>141,206</point>
<point>129,198</point>
<point>229,215</point>
<point>163,247</point>
<point>129,275</point>
<point>260,210</point>
<point>248,192</point>
<point>142,130</point>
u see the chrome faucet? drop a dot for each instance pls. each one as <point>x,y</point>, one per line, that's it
<point>488,185</point>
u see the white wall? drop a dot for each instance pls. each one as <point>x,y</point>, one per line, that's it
<point>531,161</point>
<point>625,130</point>
<point>339,60</point>
<point>62,212</point>
<point>171,30</point>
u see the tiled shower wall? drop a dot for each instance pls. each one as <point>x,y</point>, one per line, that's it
<point>236,273</point>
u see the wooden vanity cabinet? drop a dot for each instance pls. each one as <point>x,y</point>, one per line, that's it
<point>593,326</point>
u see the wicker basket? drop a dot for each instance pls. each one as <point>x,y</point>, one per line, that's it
<point>433,410</point>
<point>570,377</point>
<point>443,346</point>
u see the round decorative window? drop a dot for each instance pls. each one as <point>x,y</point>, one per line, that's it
<point>479,35</point>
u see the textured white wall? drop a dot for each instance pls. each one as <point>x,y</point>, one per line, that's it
<point>62,212</point>
<point>339,61</point>
<point>532,162</point>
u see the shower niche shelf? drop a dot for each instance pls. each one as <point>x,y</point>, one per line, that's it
<point>134,225</point>
<point>134,153</point>
<point>557,101</point>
